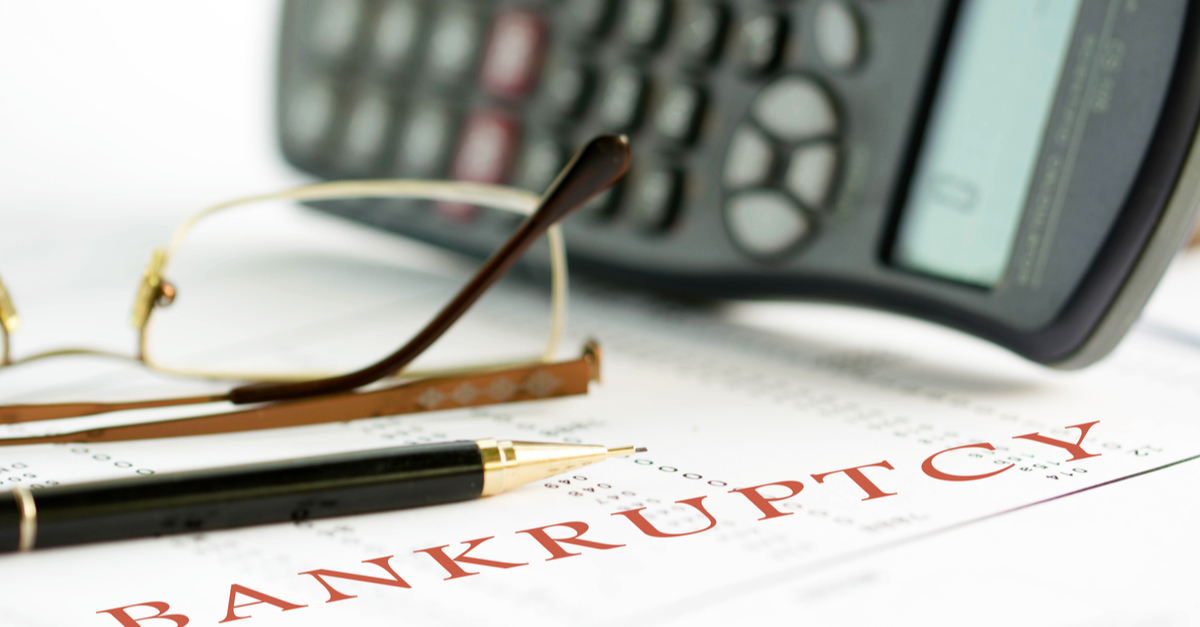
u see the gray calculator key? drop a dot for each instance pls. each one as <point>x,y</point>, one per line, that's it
<point>703,30</point>
<point>336,24</point>
<point>368,128</point>
<point>760,41</point>
<point>397,32</point>
<point>679,114</point>
<point>454,42</point>
<point>811,171</point>
<point>796,108</point>
<point>656,197</point>
<point>838,34</point>
<point>765,223</point>
<point>623,100</point>
<point>425,143</point>
<point>588,17</point>
<point>309,117</point>
<point>750,158</point>
<point>540,162</point>
<point>645,22</point>
<point>565,88</point>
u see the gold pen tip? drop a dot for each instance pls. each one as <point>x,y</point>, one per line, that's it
<point>622,451</point>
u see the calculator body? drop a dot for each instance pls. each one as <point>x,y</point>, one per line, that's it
<point>1022,177</point>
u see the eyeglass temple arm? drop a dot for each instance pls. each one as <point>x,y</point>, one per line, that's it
<point>596,166</point>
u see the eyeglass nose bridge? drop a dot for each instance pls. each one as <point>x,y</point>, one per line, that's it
<point>153,290</point>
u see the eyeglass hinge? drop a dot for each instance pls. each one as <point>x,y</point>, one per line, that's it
<point>8,313</point>
<point>152,291</point>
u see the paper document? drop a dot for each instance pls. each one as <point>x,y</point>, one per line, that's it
<point>784,441</point>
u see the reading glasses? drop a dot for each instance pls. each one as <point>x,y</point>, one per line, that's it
<point>246,285</point>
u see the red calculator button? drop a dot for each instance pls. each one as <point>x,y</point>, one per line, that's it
<point>514,53</point>
<point>486,150</point>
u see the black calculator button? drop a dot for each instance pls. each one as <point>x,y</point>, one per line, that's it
<point>656,198</point>
<point>765,224</point>
<point>703,31</point>
<point>750,159</point>
<point>368,130</point>
<point>453,42</point>
<point>759,41</point>
<point>397,35</point>
<point>644,24</point>
<point>589,18</point>
<point>426,141</point>
<point>335,28</point>
<point>679,113</point>
<point>838,34</point>
<point>624,98</point>
<point>566,88</point>
<point>310,117</point>
<point>795,108</point>
<point>541,159</point>
<point>513,58</point>
<point>811,173</point>
<point>604,205</point>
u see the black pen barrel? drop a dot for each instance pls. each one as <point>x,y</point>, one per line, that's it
<point>221,498</point>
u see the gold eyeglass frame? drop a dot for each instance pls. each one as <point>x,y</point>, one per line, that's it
<point>290,401</point>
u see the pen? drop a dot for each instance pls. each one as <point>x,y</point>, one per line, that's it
<point>280,491</point>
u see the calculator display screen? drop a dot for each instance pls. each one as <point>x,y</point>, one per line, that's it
<point>981,144</point>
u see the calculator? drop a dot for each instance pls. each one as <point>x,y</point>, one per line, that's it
<point>1022,170</point>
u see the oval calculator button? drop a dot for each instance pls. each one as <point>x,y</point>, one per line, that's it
<point>336,25</point>
<point>309,117</point>
<point>645,22</point>
<point>623,99</point>
<point>679,114</point>
<point>810,174</point>
<point>838,36</point>
<point>367,131</point>
<point>397,33</point>
<point>703,29</point>
<point>588,17</point>
<point>454,42</point>
<point>750,158</point>
<point>759,42</point>
<point>566,88</point>
<point>795,108</point>
<point>513,55</point>
<point>656,197</point>
<point>765,223</point>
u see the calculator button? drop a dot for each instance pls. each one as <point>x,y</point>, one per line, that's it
<point>645,22</point>
<point>750,158</point>
<point>540,161</point>
<point>623,99</point>
<point>604,205</point>
<point>703,31</point>
<point>765,223</point>
<point>656,198</point>
<point>514,53</point>
<point>759,42</point>
<point>810,174</point>
<point>838,35</point>
<point>368,128</point>
<point>485,152</point>
<point>336,25</point>
<point>679,114</point>
<point>397,34</point>
<point>309,117</point>
<point>566,88</point>
<point>425,142</point>
<point>588,17</point>
<point>795,108</point>
<point>453,42</point>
